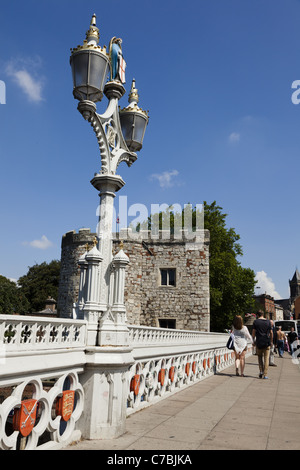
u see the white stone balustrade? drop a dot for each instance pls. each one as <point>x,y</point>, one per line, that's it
<point>168,360</point>
<point>25,333</point>
<point>42,359</point>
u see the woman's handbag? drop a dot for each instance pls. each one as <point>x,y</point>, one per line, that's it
<point>230,342</point>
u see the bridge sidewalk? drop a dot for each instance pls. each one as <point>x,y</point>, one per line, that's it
<point>221,412</point>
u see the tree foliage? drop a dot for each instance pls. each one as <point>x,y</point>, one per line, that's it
<point>231,285</point>
<point>12,300</point>
<point>40,282</point>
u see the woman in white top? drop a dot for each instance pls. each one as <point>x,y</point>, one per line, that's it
<point>241,338</point>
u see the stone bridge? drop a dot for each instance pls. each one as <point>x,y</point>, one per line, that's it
<point>56,389</point>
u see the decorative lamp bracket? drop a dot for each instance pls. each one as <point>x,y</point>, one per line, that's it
<point>107,127</point>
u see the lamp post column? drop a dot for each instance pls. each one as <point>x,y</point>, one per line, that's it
<point>108,185</point>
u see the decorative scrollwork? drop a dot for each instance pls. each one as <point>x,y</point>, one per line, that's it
<point>102,142</point>
<point>107,128</point>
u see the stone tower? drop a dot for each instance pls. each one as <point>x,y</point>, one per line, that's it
<point>166,283</point>
<point>295,286</point>
<point>295,295</point>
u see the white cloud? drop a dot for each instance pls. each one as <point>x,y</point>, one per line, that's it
<point>165,178</point>
<point>42,244</point>
<point>27,80</point>
<point>266,285</point>
<point>234,137</point>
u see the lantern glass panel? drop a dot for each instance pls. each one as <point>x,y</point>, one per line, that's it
<point>139,128</point>
<point>98,66</point>
<point>80,69</point>
<point>127,125</point>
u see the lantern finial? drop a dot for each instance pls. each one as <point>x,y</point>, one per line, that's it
<point>133,97</point>
<point>92,35</point>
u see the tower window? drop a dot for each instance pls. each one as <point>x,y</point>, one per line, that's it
<point>167,323</point>
<point>168,277</point>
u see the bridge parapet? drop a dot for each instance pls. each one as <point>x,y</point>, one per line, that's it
<point>56,388</point>
<point>40,363</point>
<point>20,333</point>
<point>166,361</point>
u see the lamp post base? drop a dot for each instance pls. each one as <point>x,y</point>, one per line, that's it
<point>105,384</point>
<point>113,334</point>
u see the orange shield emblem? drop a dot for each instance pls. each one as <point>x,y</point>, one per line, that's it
<point>172,373</point>
<point>161,376</point>
<point>65,404</point>
<point>25,417</point>
<point>135,384</point>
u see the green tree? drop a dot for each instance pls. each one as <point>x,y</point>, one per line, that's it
<point>231,285</point>
<point>40,282</point>
<point>12,300</point>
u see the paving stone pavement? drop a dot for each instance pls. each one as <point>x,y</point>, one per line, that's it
<point>222,412</point>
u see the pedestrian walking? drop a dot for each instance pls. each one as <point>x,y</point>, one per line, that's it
<point>293,340</point>
<point>241,339</point>
<point>263,335</point>
<point>280,341</point>
<point>272,347</point>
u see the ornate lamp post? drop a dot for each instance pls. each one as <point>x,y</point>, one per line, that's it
<point>120,134</point>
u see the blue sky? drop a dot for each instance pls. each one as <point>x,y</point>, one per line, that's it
<point>217,79</point>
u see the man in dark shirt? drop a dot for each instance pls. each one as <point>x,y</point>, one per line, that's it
<point>292,337</point>
<point>263,336</point>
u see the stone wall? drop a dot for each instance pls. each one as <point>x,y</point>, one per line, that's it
<point>147,301</point>
<point>72,247</point>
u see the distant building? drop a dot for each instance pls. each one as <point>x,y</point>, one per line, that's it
<point>267,304</point>
<point>291,306</point>
<point>49,310</point>
<point>278,311</point>
<point>285,304</point>
<point>295,295</point>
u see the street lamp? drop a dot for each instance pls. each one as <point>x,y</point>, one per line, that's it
<point>133,121</point>
<point>120,134</point>
<point>90,64</point>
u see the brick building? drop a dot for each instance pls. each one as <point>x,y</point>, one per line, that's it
<point>267,304</point>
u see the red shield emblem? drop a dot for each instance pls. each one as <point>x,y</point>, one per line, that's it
<point>65,404</point>
<point>25,417</point>
<point>135,384</point>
